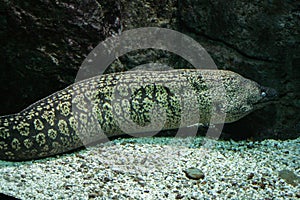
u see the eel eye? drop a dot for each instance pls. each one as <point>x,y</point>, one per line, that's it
<point>263,94</point>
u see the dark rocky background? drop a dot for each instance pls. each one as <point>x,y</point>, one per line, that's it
<point>43,43</point>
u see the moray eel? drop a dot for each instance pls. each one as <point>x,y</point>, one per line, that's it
<point>118,101</point>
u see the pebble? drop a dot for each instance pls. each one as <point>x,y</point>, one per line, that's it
<point>179,196</point>
<point>250,176</point>
<point>233,170</point>
<point>289,176</point>
<point>194,173</point>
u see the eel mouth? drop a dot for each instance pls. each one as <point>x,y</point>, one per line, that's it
<point>260,105</point>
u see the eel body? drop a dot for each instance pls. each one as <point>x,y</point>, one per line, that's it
<point>127,102</point>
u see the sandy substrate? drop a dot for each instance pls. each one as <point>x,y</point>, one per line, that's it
<point>153,168</point>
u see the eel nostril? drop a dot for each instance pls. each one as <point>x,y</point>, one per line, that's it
<point>272,93</point>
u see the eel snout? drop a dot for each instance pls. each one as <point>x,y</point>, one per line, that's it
<point>268,94</point>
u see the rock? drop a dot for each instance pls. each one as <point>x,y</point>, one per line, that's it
<point>41,54</point>
<point>248,38</point>
<point>289,176</point>
<point>250,176</point>
<point>194,173</point>
<point>179,196</point>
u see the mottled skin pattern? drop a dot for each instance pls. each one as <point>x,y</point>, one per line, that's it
<point>123,102</point>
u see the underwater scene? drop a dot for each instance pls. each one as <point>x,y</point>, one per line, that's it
<point>150,99</point>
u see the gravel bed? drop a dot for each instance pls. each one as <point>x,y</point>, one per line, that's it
<point>156,168</point>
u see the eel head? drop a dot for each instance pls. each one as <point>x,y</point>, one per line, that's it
<point>245,96</point>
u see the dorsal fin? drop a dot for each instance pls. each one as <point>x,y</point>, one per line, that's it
<point>152,67</point>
